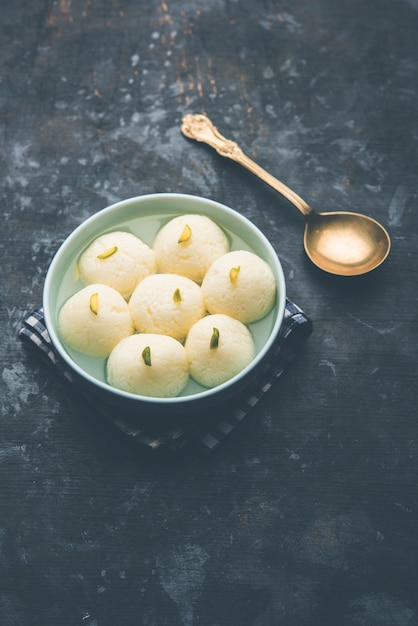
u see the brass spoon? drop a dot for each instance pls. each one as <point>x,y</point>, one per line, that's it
<point>339,242</point>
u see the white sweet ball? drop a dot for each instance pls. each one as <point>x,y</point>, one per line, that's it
<point>94,320</point>
<point>118,259</point>
<point>240,284</point>
<point>148,365</point>
<point>210,366</point>
<point>166,304</point>
<point>188,245</point>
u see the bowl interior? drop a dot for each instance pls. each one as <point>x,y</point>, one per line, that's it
<point>144,216</point>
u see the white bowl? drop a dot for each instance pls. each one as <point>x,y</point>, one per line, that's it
<point>144,215</point>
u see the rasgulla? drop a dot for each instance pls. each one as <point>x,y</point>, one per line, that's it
<point>149,365</point>
<point>188,245</point>
<point>218,347</point>
<point>118,259</point>
<point>240,284</point>
<point>94,320</point>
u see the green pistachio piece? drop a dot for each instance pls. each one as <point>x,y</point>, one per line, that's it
<point>107,253</point>
<point>94,303</point>
<point>177,295</point>
<point>146,356</point>
<point>186,234</point>
<point>214,340</point>
<point>233,274</point>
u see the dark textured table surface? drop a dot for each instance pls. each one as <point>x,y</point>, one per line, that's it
<point>307,514</point>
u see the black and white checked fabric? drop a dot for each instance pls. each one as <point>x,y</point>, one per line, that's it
<point>207,431</point>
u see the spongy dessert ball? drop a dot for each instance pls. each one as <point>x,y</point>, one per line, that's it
<point>240,284</point>
<point>94,320</point>
<point>166,304</point>
<point>218,347</point>
<point>188,245</point>
<point>118,259</point>
<point>149,365</point>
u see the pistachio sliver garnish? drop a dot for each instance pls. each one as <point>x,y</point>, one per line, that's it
<point>146,356</point>
<point>177,295</point>
<point>233,274</point>
<point>185,235</point>
<point>214,340</point>
<point>94,303</point>
<point>107,253</point>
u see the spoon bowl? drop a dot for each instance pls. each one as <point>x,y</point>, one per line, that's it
<point>339,242</point>
<point>345,243</point>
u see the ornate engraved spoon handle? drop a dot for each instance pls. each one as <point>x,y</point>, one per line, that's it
<point>200,128</point>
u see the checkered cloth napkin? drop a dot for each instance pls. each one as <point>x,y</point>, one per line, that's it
<point>206,431</point>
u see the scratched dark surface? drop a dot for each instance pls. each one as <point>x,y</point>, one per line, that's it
<point>307,515</point>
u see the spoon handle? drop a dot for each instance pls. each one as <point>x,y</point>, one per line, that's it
<point>200,128</point>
